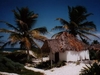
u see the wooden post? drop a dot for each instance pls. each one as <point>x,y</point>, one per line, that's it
<point>51,57</point>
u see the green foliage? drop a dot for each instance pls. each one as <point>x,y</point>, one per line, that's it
<point>20,57</point>
<point>43,65</point>
<point>60,63</point>
<point>91,69</point>
<point>37,52</point>
<point>94,54</point>
<point>47,64</point>
<point>98,55</point>
<point>9,66</point>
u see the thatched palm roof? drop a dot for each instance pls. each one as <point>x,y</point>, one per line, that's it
<point>95,46</point>
<point>64,42</point>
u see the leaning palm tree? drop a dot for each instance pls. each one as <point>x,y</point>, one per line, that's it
<point>23,32</point>
<point>78,24</point>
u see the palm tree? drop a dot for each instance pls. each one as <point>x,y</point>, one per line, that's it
<point>22,32</point>
<point>78,24</point>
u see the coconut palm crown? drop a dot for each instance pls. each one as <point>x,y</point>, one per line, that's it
<point>78,24</point>
<point>23,32</point>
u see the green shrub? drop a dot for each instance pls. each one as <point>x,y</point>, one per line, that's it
<point>93,69</point>
<point>94,54</point>
<point>47,64</point>
<point>60,63</point>
<point>7,65</point>
<point>43,65</point>
<point>20,57</point>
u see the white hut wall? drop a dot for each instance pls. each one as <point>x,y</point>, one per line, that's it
<point>74,55</point>
<point>69,56</point>
<point>84,55</point>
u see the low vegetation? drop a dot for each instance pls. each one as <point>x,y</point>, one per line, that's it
<point>20,57</point>
<point>7,65</point>
<point>94,54</point>
<point>47,65</point>
<point>93,69</point>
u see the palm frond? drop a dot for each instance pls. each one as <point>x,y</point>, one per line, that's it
<point>88,25</point>
<point>16,14</point>
<point>15,37</point>
<point>34,16</point>
<point>10,25</point>
<point>42,30</point>
<point>57,34</point>
<point>5,44</point>
<point>75,25</point>
<point>36,44</point>
<point>1,42</point>
<point>83,17</point>
<point>86,29</point>
<point>57,28</point>
<point>22,24</point>
<point>7,31</point>
<point>83,35</point>
<point>1,36</point>
<point>89,33</point>
<point>63,21</point>
<point>13,44</point>
<point>69,10</point>
<point>39,37</point>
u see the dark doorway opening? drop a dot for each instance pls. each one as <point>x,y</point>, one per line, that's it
<point>56,57</point>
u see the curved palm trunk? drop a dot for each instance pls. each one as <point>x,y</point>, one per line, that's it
<point>28,47</point>
<point>28,58</point>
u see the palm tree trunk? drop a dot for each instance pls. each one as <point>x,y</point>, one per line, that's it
<point>28,58</point>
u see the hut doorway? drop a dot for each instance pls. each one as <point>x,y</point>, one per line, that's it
<point>56,57</point>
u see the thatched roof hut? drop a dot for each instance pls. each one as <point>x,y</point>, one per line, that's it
<point>64,42</point>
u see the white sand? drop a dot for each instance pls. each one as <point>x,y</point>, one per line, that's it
<point>69,69</point>
<point>5,73</point>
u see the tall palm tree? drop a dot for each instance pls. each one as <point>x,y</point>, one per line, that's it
<point>78,24</point>
<point>23,32</point>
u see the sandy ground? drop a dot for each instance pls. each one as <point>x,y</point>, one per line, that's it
<point>5,73</point>
<point>68,69</point>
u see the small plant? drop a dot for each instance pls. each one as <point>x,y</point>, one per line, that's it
<point>93,69</point>
<point>60,63</point>
<point>78,63</point>
<point>43,65</point>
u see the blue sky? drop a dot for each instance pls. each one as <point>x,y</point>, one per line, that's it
<point>48,11</point>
